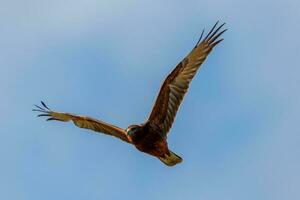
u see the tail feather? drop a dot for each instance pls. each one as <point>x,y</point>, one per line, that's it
<point>171,159</point>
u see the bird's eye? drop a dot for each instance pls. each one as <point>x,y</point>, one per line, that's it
<point>134,129</point>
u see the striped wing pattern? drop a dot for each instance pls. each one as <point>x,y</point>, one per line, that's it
<point>177,83</point>
<point>83,122</point>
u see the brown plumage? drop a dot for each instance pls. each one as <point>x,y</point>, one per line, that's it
<point>151,137</point>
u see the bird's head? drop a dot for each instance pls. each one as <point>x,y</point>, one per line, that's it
<point>132,129</point>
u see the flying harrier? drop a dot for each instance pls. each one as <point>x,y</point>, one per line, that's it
<point>151,136</point>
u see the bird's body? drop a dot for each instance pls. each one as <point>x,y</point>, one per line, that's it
<point>151,137</point>
<point>149,141</point>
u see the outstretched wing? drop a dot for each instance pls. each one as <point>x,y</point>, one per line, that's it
<point>177,83</point>
<point>83,122</point>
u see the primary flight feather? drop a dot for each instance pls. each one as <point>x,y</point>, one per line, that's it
<point>151,136</point>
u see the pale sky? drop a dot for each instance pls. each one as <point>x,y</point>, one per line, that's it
<point>237,129</point>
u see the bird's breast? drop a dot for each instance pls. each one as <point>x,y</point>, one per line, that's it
<point>151,143</point>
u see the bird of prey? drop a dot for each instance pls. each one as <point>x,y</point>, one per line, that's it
<point>151,137</point>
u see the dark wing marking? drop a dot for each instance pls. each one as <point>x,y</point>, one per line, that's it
<point>177,83</point>
<point>83,122</point>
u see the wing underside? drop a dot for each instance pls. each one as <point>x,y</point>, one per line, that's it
<point>82,122</point>
<point>177,83</point>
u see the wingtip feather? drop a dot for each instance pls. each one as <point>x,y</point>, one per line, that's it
<point>213,28</point>
<point>45,105</point>
<point>213,35</point>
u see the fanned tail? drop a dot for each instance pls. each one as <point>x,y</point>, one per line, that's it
<point>171,159</point>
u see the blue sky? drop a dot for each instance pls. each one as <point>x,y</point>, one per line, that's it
<point>237,129</point>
